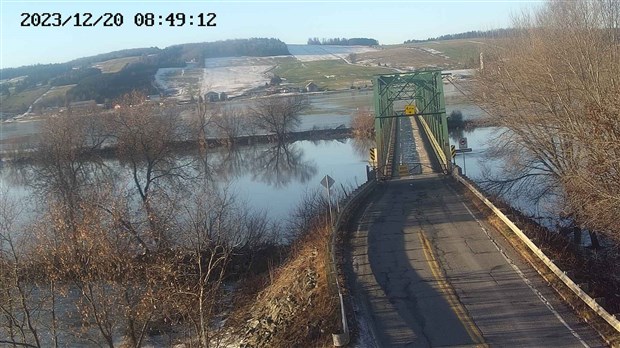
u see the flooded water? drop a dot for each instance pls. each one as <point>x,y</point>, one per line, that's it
<point>265,176</point>
<point>276,191</point>
<point>274,179</point>
<point>269,177</point>
<point>327,110</point>
<point>480,167</point>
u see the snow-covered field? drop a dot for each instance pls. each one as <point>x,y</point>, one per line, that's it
<point>234,76</point>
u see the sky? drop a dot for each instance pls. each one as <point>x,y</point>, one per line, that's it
<point>390,22</point>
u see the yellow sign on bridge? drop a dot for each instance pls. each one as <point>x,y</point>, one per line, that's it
<point>410,110</point>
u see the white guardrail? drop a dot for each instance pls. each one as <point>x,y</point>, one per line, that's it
<point>582,295</point>
<point>610,319</point>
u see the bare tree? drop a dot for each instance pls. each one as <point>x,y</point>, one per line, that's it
<point>231,121</point>
<point>202,118</point>
<point>146,134</point>
<point>66,162</point>
<point>363,123</point>
<point>19,325</point>
<point>279,115</point>
<point>215,229</point>
<point>551,87</point>
<point>279,164</point>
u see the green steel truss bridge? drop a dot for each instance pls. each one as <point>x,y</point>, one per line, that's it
<point>418,93</point>
<point>421,268</point>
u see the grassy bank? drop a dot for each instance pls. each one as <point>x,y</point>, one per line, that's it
<point>328,74</point>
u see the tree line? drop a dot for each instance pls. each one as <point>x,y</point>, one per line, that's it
<point>92,84</point>
<point>473,34</point>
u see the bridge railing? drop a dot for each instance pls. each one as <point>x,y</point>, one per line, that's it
<point>439,153</point>
<point>561,275</point>
<point>350,205</point>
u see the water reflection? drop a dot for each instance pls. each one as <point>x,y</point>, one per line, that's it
<point>280,164</point>
<point>268,176</point>
<point>276,165</point>
<point>362,145</point>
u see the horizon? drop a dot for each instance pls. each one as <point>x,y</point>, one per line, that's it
<point>292,22</point>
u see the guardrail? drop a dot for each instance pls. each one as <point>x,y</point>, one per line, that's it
<point>569,283</point>
<point>583,296</point>
<point>434,144</point>
<point>352,203</point>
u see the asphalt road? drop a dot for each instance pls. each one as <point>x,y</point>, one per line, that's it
<point>424,272</point>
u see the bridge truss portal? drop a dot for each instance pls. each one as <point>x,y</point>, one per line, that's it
<point>414,94</point>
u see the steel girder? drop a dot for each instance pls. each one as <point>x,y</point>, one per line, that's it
<point>422,88</point>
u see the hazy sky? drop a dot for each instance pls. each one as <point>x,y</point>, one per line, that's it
<point>389,22</point>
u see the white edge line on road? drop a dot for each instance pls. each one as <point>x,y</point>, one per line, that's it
<point>525,280</point>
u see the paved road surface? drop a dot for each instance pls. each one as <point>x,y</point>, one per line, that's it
<point>425,273</point>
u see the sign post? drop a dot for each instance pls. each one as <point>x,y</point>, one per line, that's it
<point>462,147</point>
<point>373,156</point>
<point>328,182</point>
<point>453,153</point>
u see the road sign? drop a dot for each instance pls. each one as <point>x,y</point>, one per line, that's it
<point>462,143</point>
<point>409,109</point>
<point>453,150</point>
<point>327,182</point>
<point>373,155</point>
<point>462,150</point>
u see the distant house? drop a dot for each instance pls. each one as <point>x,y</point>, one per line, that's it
<point>223,96</point>
<point>312,87</point>
<point>212,97</point>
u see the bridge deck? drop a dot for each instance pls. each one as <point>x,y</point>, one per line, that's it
<point>424,272</point>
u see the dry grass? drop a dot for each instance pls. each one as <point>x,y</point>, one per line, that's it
<point>328,74</point>
<point>295,307</point>
<point>403,57</point>
<point>19,102</point>
<point>465,53</point>
<point>55,96</point>
<point>115,65</point>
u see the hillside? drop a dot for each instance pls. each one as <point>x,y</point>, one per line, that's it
<point>106,76</point>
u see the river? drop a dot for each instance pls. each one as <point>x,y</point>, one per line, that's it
<point>267,177</point>
<point>278,189</point>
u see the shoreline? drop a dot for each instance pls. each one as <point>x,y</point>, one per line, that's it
<point>26,155</point>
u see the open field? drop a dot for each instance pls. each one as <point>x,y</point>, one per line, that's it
<point>307,53</point>
<point>328,74</point>
<point>115,65</point>
<point>55,96</point>
<point>404,58</point>
<point>330,67</point>
<point>19,103</point>
<point>448,54</point>
<point>464,52</point>
<point>234,76</point>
